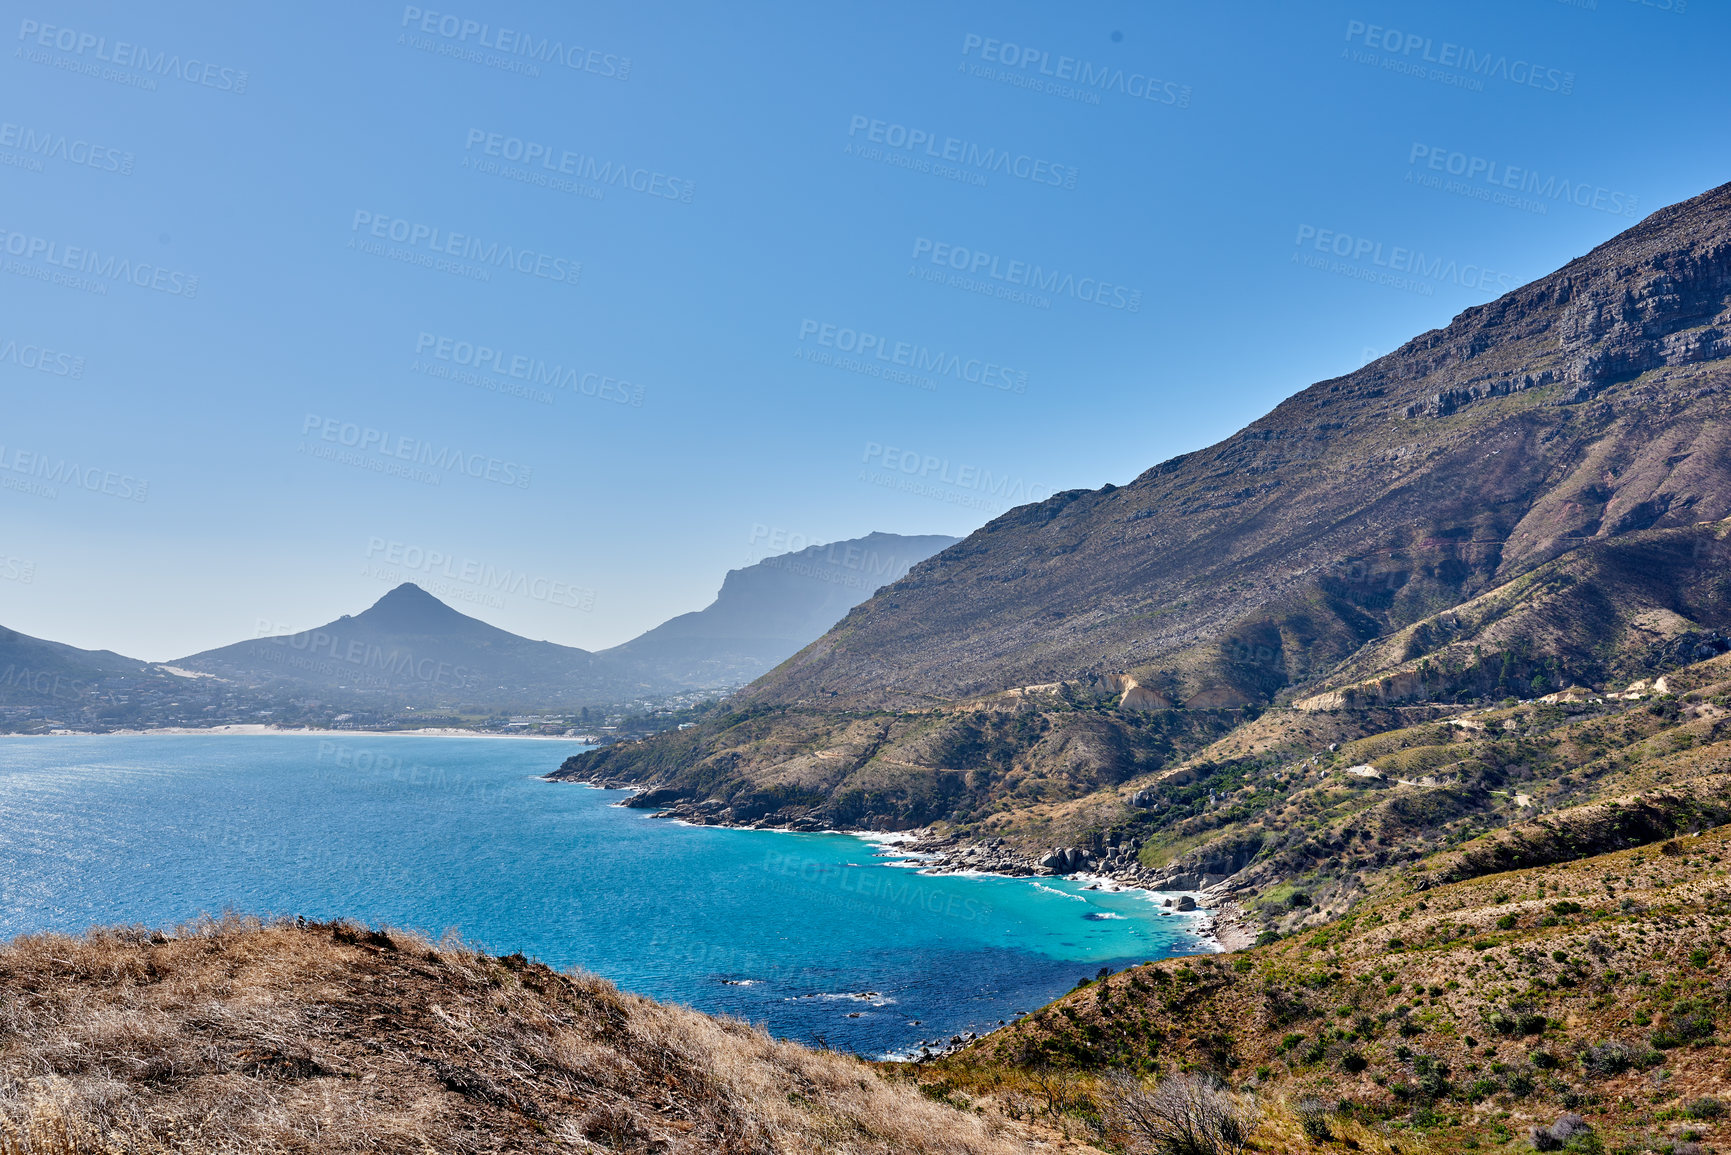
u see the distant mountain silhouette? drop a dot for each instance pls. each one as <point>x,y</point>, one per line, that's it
<point>768,612</point>
<point>36,670</point>
<point>47,685</point>
<point>410,648</point>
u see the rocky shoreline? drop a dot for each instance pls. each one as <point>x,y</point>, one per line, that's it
<point>1115,866</point>
<point>1230,927</point>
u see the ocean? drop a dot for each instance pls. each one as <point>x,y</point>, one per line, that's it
<point>823,938</point>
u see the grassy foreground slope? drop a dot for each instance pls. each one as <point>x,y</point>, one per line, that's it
<point>240,1036</point>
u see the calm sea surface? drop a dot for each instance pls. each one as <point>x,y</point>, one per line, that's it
<point>816,935</point>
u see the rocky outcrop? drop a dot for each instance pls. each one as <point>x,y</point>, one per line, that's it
<point>1391,689</point>
<point>1066,859</point>
<point>1142,698</point>
<point>1451,401</point>
<point>1668,310</point>
<point>1133,695</point>
<point>1209,866</point>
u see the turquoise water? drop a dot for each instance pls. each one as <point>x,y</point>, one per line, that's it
<point>813,934</point>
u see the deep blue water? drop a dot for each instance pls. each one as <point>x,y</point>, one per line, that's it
<point>460,833</point>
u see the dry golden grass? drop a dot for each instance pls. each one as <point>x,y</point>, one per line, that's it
<point>239,1036</point>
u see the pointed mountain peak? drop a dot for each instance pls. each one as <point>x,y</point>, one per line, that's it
<point>410,609</point>
<point>407,594</point>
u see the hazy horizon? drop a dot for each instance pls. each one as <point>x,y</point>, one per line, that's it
<point>254,260</point>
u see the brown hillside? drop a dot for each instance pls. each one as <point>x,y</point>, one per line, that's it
<point>238,1036</point>
<point>1590,403</point>
<point>1447,1019</point>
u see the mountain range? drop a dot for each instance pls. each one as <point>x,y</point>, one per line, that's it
<point>1533,496</point>
<point>410,650</point>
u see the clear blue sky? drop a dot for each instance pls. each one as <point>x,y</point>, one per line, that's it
<point>389,188</point>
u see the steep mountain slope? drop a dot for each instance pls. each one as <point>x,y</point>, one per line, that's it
<point>411,648</point>
<point>767,612</point>
<point>1518,501</point>
<point>1588,404</point>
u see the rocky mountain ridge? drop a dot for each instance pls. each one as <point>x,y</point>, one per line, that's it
<point>1587,404</point>
<point>1533,496</point>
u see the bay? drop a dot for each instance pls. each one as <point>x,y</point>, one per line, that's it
<point>821,937</point>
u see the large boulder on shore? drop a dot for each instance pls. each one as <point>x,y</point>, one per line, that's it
<point>1066,859</point>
